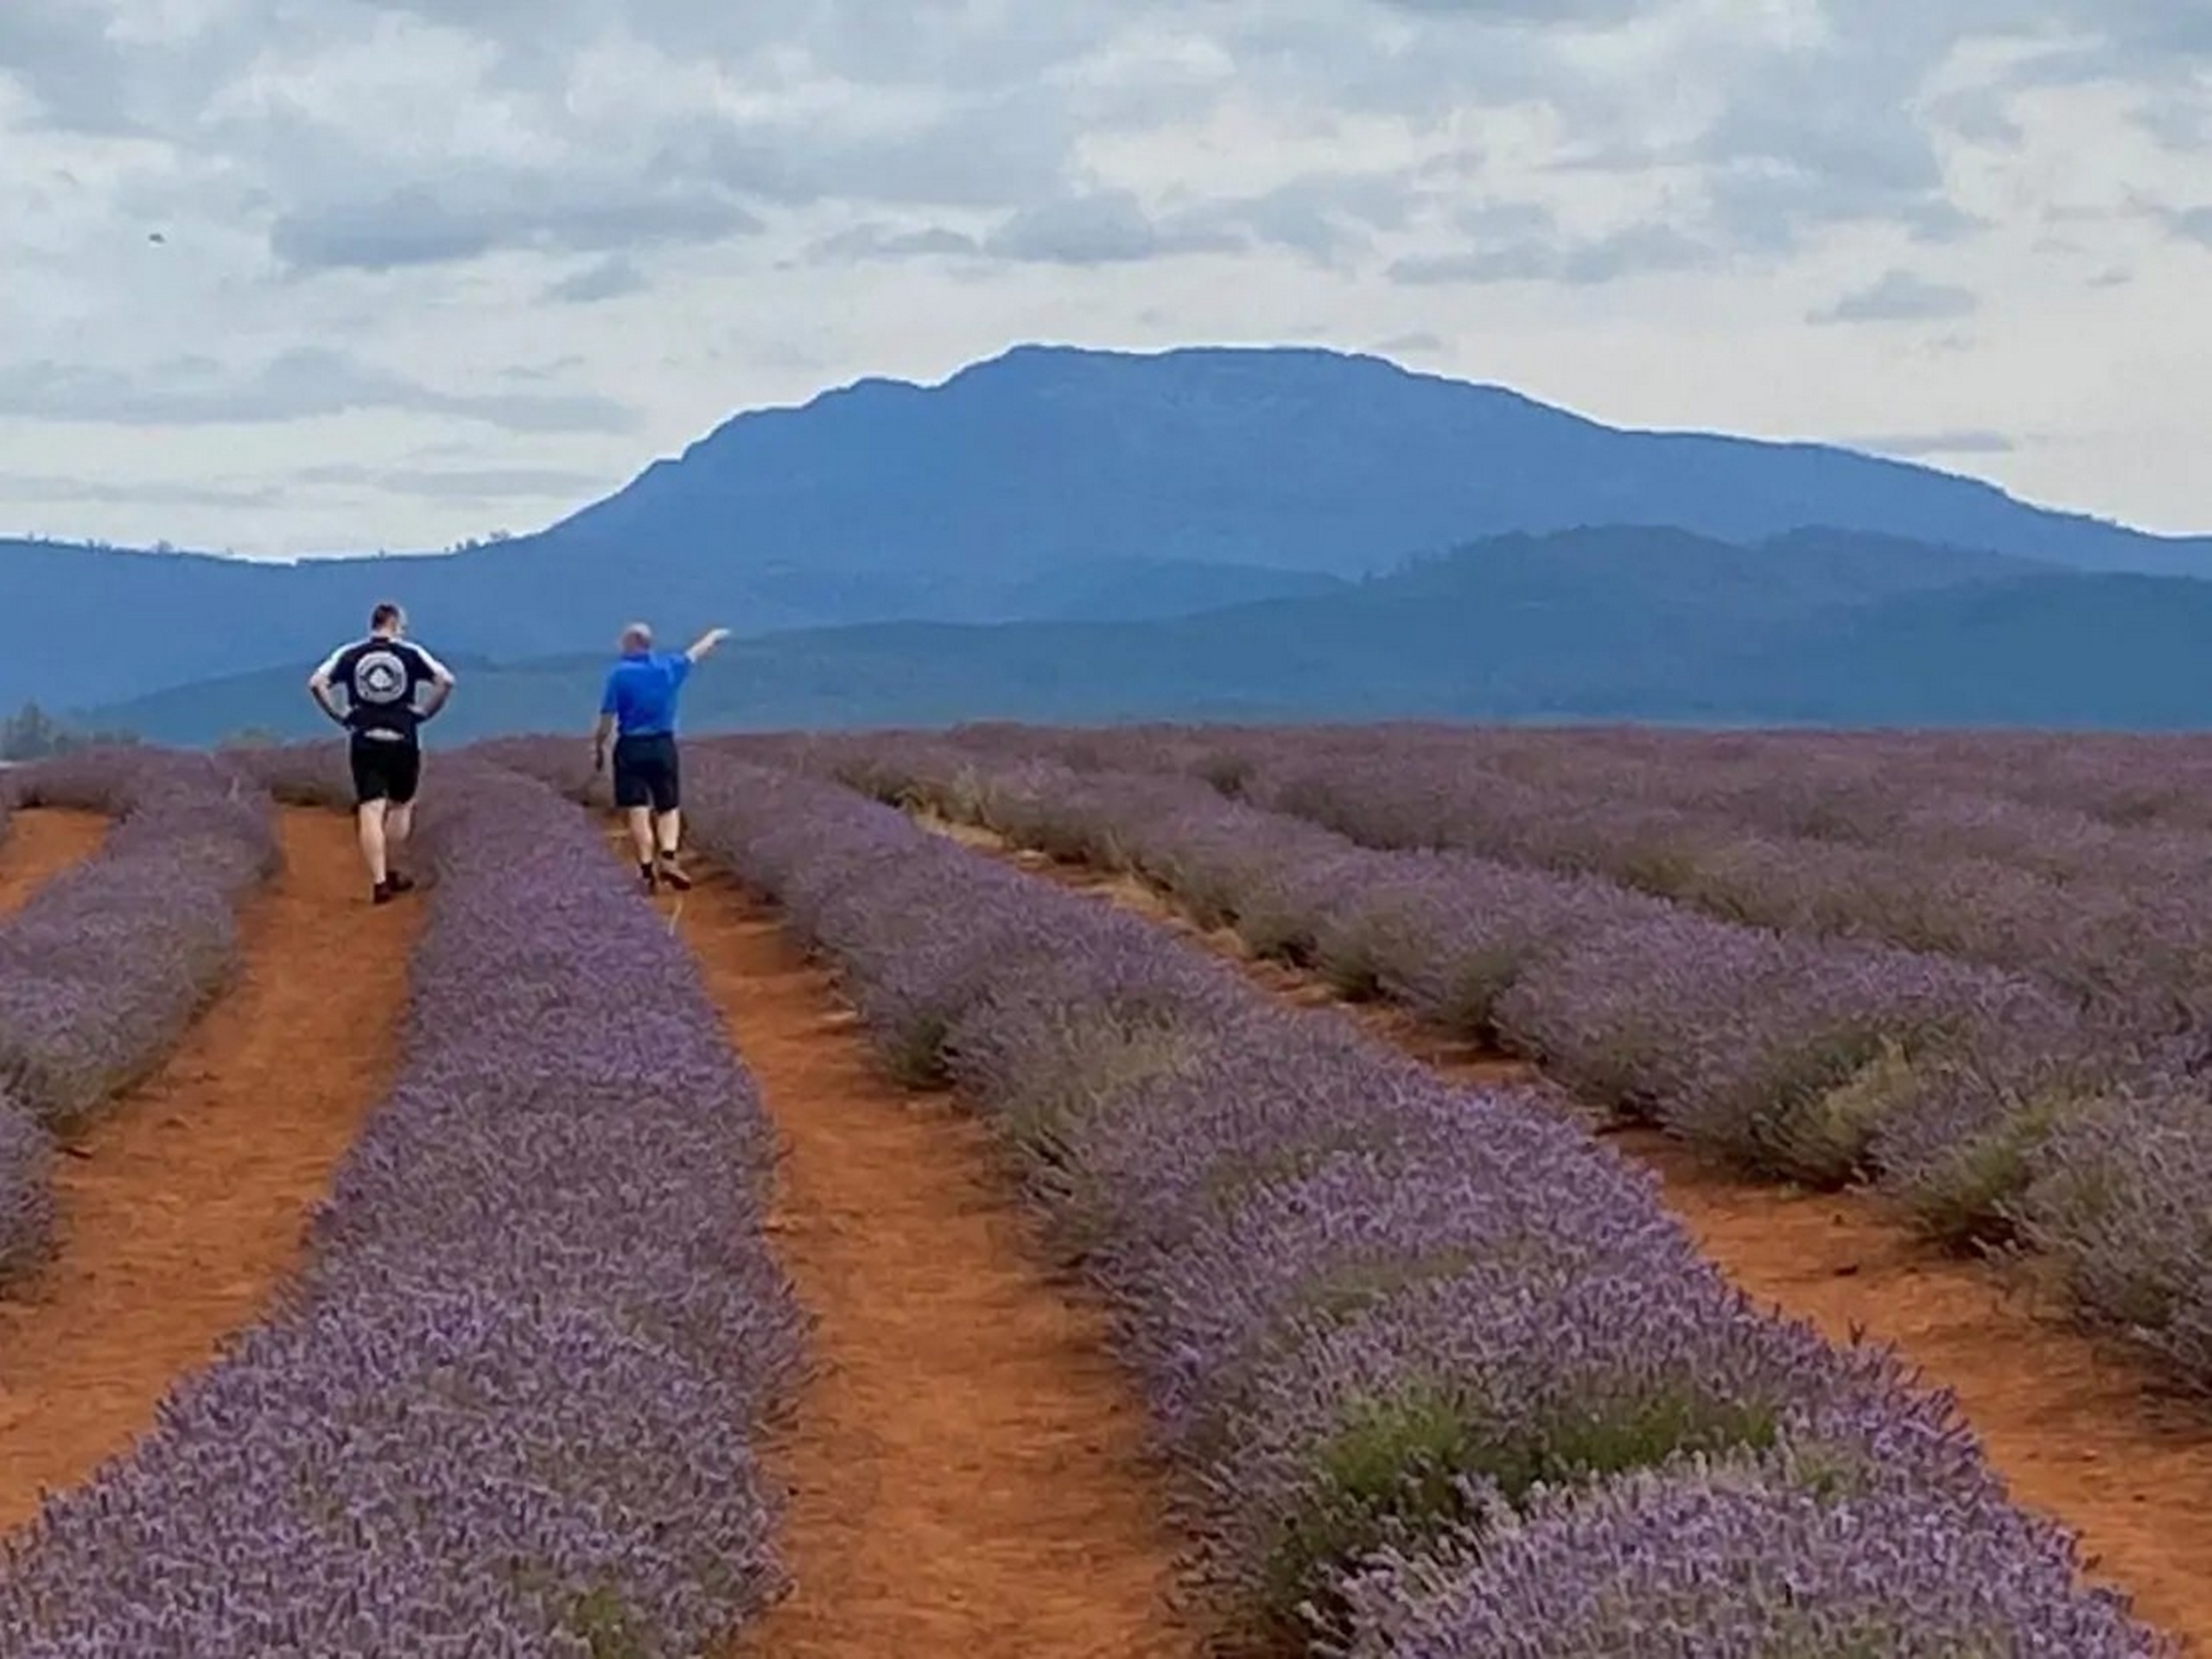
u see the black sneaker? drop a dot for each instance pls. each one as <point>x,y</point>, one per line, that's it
<point>383,893</point>
<point>399,883</point>
<point>673,873</point>
<point>650,876</point>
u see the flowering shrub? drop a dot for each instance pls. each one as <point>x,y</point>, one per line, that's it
<point>1820,1059</point>
<point>1377,1318</point>
<point>1758,1559</point>
<point>508,1407</point>
<point>26,1215</point>
<point>103,967</point>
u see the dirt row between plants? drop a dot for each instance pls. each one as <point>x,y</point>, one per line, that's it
<point>967,1466</point>
<point>2081,1430</point>
<point>183,1207</point>
<point>38,845</point>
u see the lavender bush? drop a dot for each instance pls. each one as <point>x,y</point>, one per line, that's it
<point>1761,1559</point>
<point>26,1215</point>
<point>105,966</point>
<point>1792,1055</point>
<point>1823,1060</point>
<point>507,1410</point>
<point>1372,1313</point>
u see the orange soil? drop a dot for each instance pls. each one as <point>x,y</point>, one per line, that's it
<point>184,1204</point>
<point>2081,1430</point>
<point>37,845</point>
<point>967,1467</point>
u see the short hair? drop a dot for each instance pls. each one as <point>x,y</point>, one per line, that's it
<point>637,637</point>
<point>384,615</point>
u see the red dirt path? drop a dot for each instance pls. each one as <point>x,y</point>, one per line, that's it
<point>967,1470</point>
<point>36,846</point>
<point>185,1206</point>
<point>2079,1429</point>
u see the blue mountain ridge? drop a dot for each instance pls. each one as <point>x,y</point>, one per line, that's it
<point>1048,484</point>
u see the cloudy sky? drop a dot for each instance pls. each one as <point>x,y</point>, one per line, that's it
<point>291,276</point>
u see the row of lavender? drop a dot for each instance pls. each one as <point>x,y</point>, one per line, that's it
<point>1990,1107</point>
<point>2121,918</point>
<point>105,966</point>
<point>507,1408</point>
<point>2060,803</point>
<point>1857,785</point>
<point>1442,1375</point>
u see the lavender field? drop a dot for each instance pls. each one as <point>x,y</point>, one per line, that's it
<point>1424,1370</point>
<point>1971,973</point>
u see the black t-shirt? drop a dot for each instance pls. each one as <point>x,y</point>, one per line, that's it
<point>382,681</point>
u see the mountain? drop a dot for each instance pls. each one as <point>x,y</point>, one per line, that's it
<point>1610,623</point>
<point>1047,484</point>
<point>2054,651</point>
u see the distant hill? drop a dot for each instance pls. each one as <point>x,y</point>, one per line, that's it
<point>1047,484</point>
<point>1653,624</point>
<point>2054,651</point>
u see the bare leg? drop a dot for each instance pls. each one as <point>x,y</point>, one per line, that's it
<point>641,833</point>
<point>669,827</point>
<point>370,816</point>
<point>398,825</point>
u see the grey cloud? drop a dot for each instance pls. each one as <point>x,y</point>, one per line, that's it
<point>420,225</point>
<point>1637,250</point>
<point>1528,12</point>
<point>983,152</point>
<point>2179,121</point>
<point>1769,209</point>
<point>1900,297</point>
<point>534,371</point>
<point>297,385</point>
<point>2191,223</point>
<point>1327,217</point>
<point>1484,221</point>
<point>611,278</point>
<point>32,487</point>
<point>484,484</point>
<point>1813,135</point>
<point>1104,227</point>
<point>1978,114</point>
<point>873,239</point>
<point>1914,446</point>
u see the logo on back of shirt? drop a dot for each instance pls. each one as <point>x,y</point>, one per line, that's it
<point>380,677</point>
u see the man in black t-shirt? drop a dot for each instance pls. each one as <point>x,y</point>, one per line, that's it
<point>383,678</point>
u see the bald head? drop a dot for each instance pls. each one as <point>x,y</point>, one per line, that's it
<point>637,637</point>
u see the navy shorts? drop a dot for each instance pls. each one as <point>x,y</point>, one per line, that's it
<point>647,773</point>
<point>385,769</point>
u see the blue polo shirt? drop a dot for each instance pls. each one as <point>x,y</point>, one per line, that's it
<point>641,692</point>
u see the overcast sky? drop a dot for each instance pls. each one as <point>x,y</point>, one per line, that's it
<point>429,268</point>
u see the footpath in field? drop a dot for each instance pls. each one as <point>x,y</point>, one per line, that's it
<point>967,1467</point>
<point>183,1206</point>
<point>2077,1428</point>
<point>37,846</point>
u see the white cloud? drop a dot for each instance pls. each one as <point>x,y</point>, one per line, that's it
<point>424,262</point>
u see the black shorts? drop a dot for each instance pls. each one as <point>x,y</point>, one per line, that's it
<point>385,769</point>
<point>646,773</point>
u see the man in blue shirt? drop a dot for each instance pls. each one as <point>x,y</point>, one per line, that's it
<point>637,711</point>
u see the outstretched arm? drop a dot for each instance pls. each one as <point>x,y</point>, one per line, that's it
<point>706,642</point>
